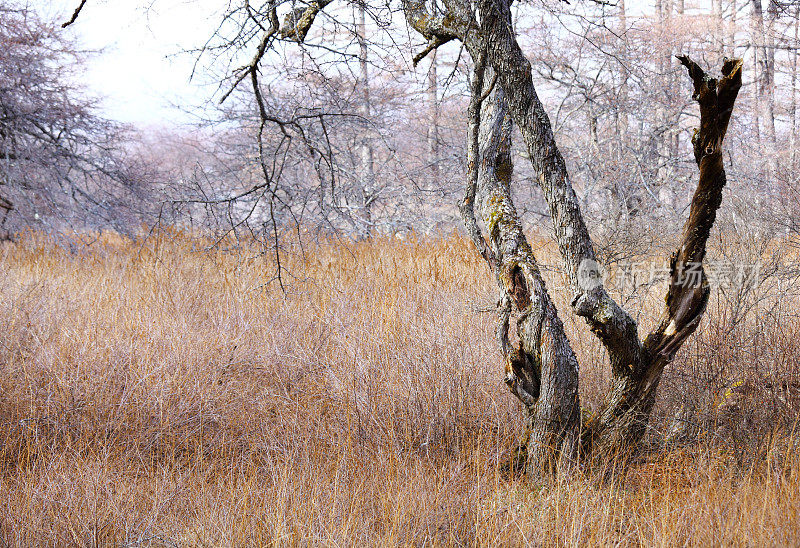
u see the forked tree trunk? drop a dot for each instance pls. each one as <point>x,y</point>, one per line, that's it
<point>622,421</point>
<point>541,367</point>
<point>542,370</point>
<point>636,367</point>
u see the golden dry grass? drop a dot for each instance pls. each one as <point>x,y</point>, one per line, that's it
<point>159,394</point>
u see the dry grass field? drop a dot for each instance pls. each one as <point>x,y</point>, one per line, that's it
<point>158,394</point>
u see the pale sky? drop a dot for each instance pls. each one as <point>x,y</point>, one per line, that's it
<point>140,71</point>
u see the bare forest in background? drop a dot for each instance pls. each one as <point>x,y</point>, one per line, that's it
<point>362,142</point>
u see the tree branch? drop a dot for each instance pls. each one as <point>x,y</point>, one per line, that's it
<point>688,291</point>
<point>467,207</point>
<point>252,67</point>
<point>75,15</point>
<point>433,44</point>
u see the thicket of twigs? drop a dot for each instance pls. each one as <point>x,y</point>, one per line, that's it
<point>156,393</point>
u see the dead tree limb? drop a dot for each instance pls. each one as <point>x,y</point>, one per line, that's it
<point>75,15</point>
<point>623,420</point>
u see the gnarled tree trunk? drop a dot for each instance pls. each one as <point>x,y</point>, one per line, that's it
<point>542,370</point>
<point>541,367</point>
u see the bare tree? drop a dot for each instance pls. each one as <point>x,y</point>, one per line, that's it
<point>433,129</point>
<point>60,163</point>
<point>763,39</point>
<point>367,163</point>
<point>542,368</point>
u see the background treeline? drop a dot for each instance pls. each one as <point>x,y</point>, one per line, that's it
<point>361,142</point>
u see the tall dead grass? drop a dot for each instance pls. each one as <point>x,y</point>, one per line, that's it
<point>160,394</point>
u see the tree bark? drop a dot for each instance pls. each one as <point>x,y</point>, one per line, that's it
<point>615,328</point>
<point>366,175</point>
<point>433,128</point>
<point>541,368</point>
<point>793,106</point>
